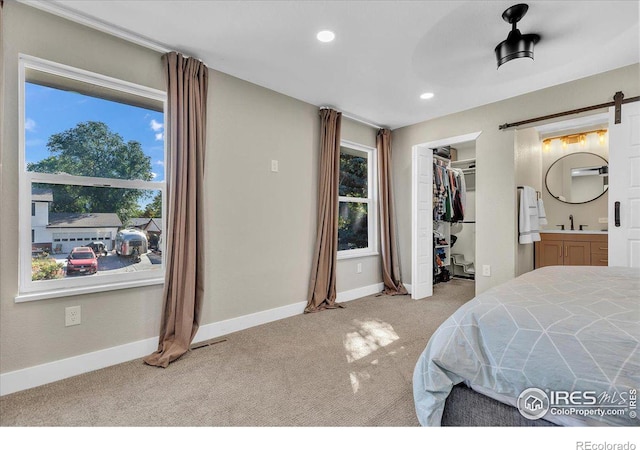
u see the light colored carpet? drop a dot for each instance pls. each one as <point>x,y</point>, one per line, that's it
<point>343,367</point>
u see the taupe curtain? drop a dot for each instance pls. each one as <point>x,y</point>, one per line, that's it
<point>388,236</point>
<point>322,287</point>
<point>187,81</point>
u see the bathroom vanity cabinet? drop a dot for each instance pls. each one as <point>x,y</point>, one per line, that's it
<point>572,249</point>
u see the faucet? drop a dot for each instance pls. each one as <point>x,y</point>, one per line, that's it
<point>571,220</point>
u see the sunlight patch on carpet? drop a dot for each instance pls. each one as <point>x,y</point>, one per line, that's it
<point>369,336</point>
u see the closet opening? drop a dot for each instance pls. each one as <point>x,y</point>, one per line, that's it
<point>444,215</point>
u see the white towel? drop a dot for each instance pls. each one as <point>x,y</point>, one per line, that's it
<point>542,216</point>
<point>528,222</point>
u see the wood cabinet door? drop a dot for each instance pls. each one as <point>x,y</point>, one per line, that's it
<point>577,253</point>
<point>551,253</point>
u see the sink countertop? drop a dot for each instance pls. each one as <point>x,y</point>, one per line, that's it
<point>575,231</point>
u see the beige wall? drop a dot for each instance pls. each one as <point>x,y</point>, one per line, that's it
<point>496,229</point>
<point>260,227</point>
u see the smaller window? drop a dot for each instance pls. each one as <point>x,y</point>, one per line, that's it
<point>33,236</point>
<point>357,224</point>
<point>33,209</point>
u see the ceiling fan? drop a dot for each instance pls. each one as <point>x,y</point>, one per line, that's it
<point>517,45</point>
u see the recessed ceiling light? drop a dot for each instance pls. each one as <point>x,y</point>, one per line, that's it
<point>426,95</point>
<point>326,36</point>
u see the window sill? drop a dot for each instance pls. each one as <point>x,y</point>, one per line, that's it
<point>357,255</point>
<point>84,290</point>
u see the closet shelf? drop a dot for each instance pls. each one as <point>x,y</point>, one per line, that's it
<point>463,162</point>
<point>467,165</point>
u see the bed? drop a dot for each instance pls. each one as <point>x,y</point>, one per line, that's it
<point>570,334</point>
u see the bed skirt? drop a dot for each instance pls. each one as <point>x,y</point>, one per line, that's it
<point>467,408</point>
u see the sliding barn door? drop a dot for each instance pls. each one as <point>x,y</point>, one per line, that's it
<point>422,223</point>
<point>624,187</point>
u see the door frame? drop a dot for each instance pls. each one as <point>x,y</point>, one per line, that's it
<point>416,293</point>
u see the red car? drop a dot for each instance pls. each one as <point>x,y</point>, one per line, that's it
<point>82,260</point>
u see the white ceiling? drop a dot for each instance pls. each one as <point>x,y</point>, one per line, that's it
<point>386,53</point>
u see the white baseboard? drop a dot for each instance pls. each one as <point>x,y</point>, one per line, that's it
<point>31,377</point>
<point>407,287</point>
<point>353,294</point>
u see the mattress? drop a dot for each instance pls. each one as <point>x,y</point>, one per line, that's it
<point>560,343</point>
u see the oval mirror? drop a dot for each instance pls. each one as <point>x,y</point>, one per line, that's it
<point>578,178</point>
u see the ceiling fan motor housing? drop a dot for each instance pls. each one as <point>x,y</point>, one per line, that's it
<point>517,45</point>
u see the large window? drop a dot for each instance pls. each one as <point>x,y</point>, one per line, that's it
<point>357,208</point>
<point>91,177</point>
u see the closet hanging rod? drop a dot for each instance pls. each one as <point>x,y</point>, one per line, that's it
<point>619,100</point>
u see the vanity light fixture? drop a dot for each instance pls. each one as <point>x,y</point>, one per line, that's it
<point>580,138</point>
<point>601,134</point>
<point>583,140</point>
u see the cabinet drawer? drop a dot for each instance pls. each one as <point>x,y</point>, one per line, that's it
<point>599,259</point>
<point>599,247</point>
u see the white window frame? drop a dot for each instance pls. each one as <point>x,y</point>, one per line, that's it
<point>371,201</point>
<point>44,289</point>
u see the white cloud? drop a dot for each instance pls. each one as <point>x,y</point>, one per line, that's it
<point>154,175</point>
<point>159,136</point>
<point>156,126</point>
<point>30,124</point>
<point>159,163</point>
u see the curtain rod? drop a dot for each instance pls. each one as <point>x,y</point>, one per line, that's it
<point>618,100</point>
<point>357,119</point>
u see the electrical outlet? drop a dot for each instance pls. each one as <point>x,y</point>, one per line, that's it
<point>359,268</point>
<point>72,316</point>
<point>486,270</point>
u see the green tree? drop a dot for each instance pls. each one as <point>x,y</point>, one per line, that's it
<point>92,149</point>
<point>353,217</point>
<point>154,209</point>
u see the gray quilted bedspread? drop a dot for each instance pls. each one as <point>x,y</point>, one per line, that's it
<point>561,328</point>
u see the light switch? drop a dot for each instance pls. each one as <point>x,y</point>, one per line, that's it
<point>274,165</point>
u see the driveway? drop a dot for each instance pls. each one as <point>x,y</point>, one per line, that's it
<point>112,263</point>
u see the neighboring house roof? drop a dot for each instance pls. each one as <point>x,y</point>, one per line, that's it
<point>146,223</point>
<point>83,220</point>
<point>138,222</point>
<point>41,195</point>
<point>155,225</point>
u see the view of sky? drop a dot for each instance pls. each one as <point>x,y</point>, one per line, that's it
<point>49,111</point>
